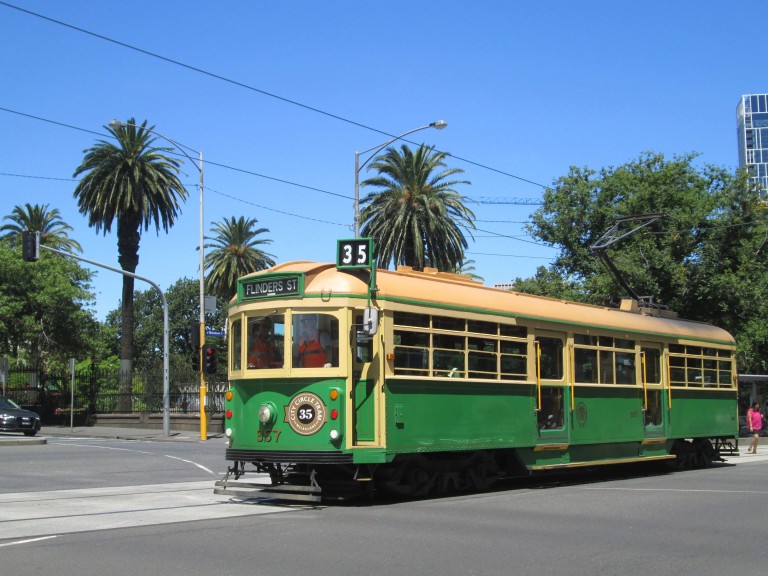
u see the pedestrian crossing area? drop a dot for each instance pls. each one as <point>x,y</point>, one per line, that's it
<point>25,515</point>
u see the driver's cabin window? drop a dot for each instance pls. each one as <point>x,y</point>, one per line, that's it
<point>315,341</point>
<point>266,342</point>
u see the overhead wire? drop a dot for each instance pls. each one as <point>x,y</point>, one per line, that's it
<point>254,89</point>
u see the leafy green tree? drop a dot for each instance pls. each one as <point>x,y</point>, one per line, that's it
<point>548,282</point>
<point>44,314</point>
<point>705,258</point>
<point>53,230</point>
<point>583,205</point>
<point>183,298</point>
<point>236,250</point>
<point>415,216</point>
<point>135,185</point>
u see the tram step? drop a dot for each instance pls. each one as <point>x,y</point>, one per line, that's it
<point>287,492</point>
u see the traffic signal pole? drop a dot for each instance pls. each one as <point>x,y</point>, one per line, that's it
<point>166,324</point>
<point>203,387</point>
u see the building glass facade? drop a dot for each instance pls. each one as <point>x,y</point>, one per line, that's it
<point>752,126</point>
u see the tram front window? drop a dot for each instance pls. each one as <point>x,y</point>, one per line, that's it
<point>315,341</point>
<point>265,342</point>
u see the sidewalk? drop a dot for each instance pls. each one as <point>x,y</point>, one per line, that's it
<point>146,434</point>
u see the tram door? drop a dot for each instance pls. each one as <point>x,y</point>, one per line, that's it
<point>552,399</point>
<point>364,402</point>
<point>652,398</point>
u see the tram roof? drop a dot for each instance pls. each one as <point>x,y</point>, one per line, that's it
<point>460,293</point>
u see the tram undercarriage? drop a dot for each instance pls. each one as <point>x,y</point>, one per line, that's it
<point>425,474</point>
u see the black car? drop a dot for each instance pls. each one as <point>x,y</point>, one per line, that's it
<point>13,418</point>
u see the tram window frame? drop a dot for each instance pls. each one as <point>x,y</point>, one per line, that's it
<point>694,366</point>
<point>362,343</point>
<point>328,325</point>
<point>607,360</point>
<point>652,365</point>
<point>459,348</point>
<point>236,347</point>
<point>552,363</point>
<point>275,343</point>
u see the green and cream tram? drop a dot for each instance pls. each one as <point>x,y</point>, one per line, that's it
<point>420,381</point>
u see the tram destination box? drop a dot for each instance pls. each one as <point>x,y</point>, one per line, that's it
<point>272,287</point>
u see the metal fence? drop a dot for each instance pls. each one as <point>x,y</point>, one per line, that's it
<point>98,391</point>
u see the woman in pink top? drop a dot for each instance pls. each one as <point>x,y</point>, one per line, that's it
<point>755,424</point>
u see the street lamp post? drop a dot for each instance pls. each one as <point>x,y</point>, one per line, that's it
<point>203,390</point>
<point>439,125</point>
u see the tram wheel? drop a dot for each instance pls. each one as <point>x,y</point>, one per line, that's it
<point>683,451</point>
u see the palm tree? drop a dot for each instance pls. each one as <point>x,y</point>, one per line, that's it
<point>134,184</point>
<point>53,230</point>
<point>415,218</point>
<point>235,252</point>
<point>467,268</point>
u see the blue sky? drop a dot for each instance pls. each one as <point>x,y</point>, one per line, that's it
<point>528,89</point>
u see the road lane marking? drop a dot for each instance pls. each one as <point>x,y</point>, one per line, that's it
<point>193,463</point>
<point>692,490</point>
<point>141,452</point>
<point>27,541</point>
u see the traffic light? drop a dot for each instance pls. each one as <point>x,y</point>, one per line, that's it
<point>194,335</point>
<point>209,358</point>
<point>194,342</point>
<point>30,246</point>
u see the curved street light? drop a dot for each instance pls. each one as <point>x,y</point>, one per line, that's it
<point>439,125</point>
<point>114,124</point>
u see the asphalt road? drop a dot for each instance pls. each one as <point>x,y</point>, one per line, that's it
<point>87,507</point>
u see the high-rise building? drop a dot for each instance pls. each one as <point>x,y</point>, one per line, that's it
<point>752,123</point>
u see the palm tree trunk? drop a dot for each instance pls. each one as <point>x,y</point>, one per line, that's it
<point>128,249</point>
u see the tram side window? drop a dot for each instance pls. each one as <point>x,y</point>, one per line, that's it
<point>363,342</point>
<point>551,358</point>
<point>586,365</point>
<point>725,369</point>
<point>552,409</point>
<point>625,368</point>
<point>652,365</point>
<point>696,367</point>
<point>604,360</point>
<point>411,353</point>
<point>266,342</point>
<point>236,345</point>
<point>448,355</point>
<point>315,341</point>
<point>482,357</point>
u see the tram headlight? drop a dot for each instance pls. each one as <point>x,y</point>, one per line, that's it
<point>335,435</point>
<point>267,413</point>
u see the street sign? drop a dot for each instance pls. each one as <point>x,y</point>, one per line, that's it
<point>210,304</point>
<point>214,333</point>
